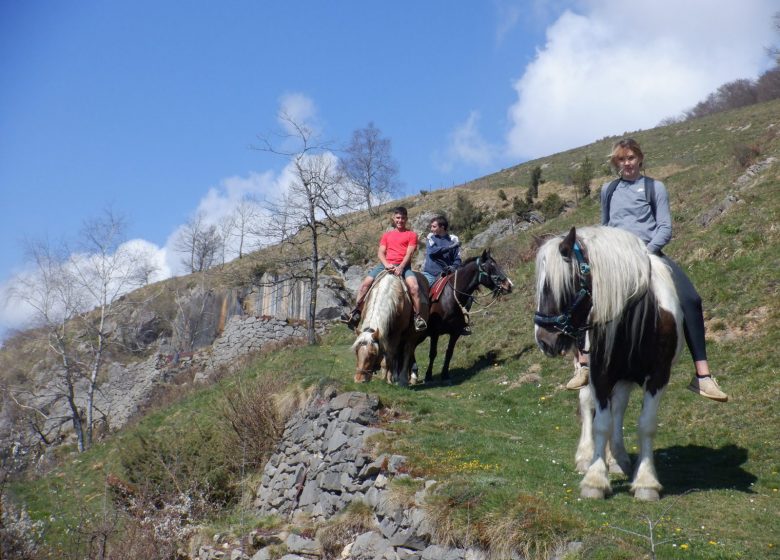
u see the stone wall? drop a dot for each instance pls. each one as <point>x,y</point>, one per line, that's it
<point>322,465</point>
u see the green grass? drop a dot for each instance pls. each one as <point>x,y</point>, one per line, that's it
<point>500,438</point>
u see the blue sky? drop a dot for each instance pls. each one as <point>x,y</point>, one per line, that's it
<point>150,107</point>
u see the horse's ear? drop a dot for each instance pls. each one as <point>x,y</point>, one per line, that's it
<point>485,254</point>
<point>567,245</point>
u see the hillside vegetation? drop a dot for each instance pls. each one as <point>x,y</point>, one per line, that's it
<point>500,438</point>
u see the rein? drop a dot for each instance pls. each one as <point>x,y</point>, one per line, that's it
<point>564,323</point>
<point>497,279</point>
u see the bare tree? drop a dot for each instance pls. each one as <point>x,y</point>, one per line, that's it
<point>768,85</point>
<point>225,227</point>
<point>246,216</point>
<point>188,239</point>
<point>200,244</point>
<point>369,166</point>
<point>207,247</point>
<point>76,300</point>
<point>308,210</point>
<point>50,290</point>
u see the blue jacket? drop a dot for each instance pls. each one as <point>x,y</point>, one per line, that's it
<point>441,252</point>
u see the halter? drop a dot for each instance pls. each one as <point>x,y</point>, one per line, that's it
<point>564,323</point>
<point>364,370</point>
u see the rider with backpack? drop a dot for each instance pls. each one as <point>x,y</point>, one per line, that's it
<point>640,205</point>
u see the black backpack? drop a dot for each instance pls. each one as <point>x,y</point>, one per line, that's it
<point>649,193</point>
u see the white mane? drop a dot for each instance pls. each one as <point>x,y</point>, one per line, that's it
<point>382,306</point>
<point>619,264</point>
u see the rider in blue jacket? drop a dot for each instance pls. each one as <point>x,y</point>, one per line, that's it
<point>442,254</point>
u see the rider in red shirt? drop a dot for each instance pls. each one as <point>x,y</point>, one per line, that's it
<point>396,248</point>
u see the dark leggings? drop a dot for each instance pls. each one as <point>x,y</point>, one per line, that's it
<point>690,301</point>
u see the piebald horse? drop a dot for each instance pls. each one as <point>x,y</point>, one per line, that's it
<point>598,286</point>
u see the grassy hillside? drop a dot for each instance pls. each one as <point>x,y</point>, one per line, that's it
<point>500,439</point>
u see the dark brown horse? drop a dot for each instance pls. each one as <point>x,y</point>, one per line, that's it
<point>449,313</point>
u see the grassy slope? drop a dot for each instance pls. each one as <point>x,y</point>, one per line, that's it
<point>502,436</point>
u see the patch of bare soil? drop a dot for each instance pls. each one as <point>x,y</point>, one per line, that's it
<point>721,331</point>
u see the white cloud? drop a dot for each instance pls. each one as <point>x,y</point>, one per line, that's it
<point>466,146</point>
<point>298,108</point>
<point>618,66</point>
<point>16,311</point>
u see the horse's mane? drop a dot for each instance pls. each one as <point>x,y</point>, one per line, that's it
<point>383,304</point>
<point>619,264</point>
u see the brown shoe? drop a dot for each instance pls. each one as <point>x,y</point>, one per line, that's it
<point>707,387</point>
<point>580,379</point>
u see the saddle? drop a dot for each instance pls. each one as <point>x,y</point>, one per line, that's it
<point>438,288</point>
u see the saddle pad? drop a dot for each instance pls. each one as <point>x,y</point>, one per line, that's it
<point>438,288</point>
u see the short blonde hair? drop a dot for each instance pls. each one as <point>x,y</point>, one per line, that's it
<point>625,144</point>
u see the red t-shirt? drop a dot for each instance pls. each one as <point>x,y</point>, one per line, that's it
<point>397,243</point>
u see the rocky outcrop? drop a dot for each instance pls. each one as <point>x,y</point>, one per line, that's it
<point>742,183</point>
<point>322,465</point>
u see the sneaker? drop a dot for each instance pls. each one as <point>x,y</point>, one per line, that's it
<point>419,323</point>
<point>466,331</point>
<point>580,379</point>
<point>707,387</point>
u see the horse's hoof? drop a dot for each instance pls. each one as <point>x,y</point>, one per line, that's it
<point>592,493</point>
<point>647,494</point>
<point>617,468</point>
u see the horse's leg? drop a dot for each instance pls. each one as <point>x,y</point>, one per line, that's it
<point>619,461</point>
<point>431,357</point>
<point>445,370</point>
<point>595,484</point>
<point>584,454</point>
<point>646,486</point>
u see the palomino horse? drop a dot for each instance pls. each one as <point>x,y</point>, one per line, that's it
<point>386,336</point>
<point>602,281</point>
<point>448,312</point>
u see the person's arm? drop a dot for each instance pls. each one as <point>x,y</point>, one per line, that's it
<point>604,212</point>
<point>456,260</point>
<point>663,220</point>
<point>381,254</point>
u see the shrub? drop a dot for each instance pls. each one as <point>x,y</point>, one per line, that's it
<point>501,194</point>
<point>745,155</point>
<point>582,178</point>
<point>188,458</point>
<point>551,206</point>
<point>521,208</point>
<point>255,421</point>
<point>536,180</point>
<point>465,217</point>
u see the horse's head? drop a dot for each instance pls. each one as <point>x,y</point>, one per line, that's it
<point>368,352</point>
<point>491,275</point>
<point>563,295</point>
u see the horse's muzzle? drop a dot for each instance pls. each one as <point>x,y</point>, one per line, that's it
<point>551,343</point>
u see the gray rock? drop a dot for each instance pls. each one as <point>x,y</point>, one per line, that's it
<point>369,546</point>
<point>299,545</point>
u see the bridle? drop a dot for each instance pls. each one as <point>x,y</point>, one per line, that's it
<point>564,323</point>
<point>496,278</point>
<point>366,343</point>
